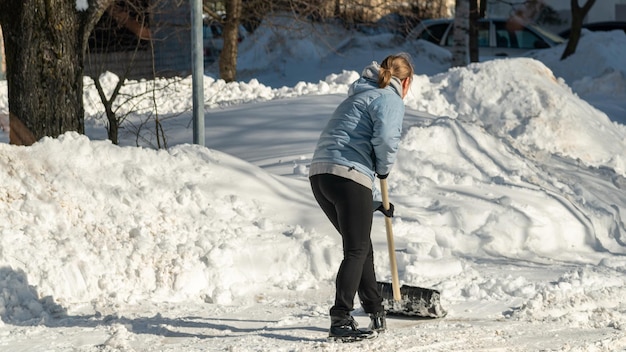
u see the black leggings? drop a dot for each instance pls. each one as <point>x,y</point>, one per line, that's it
<point>349,205</point>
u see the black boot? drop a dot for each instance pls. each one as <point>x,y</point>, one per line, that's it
<point>344,328</point>
<point>378,322</point>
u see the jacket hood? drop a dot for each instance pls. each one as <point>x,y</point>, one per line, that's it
<point>369,80</point>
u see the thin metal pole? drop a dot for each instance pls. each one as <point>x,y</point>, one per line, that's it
<point>197,72</point>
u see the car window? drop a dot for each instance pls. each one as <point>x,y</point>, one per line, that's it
<point>522,38</point>
<point>434,33</point>
<point>528,39</point>
<point>504,37</point>
<point>483,35</point>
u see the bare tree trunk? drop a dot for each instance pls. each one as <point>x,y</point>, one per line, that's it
<point>45,42</point>
<point>228,56</point>
<point>460,55</point>
<point>113,128</point>
<point>474,53</point>
<point>578,15</point>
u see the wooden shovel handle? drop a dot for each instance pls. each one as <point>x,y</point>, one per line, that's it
<point>395,280</point>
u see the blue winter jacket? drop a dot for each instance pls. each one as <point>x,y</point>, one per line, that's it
<point>364,131</point>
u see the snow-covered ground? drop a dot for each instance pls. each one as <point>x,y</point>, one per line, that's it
<point>509,192</point>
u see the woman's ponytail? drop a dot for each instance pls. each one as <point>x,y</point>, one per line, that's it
<point>384,77</point>
<point>398,65</point>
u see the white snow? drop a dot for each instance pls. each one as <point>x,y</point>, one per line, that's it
<point>82,5</point>
<point>509,191</point>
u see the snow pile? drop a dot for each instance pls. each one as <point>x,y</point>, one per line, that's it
<point>584,297</point>
<point>596,72</point>
<point>20,302</point>
<point>601,53</point>
<point>106,227</point>
<point>139,97</point>
<point>514,149</point>
<point>527,107</point>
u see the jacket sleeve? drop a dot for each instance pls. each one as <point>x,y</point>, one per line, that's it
<point>387,113</point>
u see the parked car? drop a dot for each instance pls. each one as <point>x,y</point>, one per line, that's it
<point>598,26</point>
<point>495,37</point>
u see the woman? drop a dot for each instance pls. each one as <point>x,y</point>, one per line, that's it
<point>359,143</point>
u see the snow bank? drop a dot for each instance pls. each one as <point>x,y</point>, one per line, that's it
<point>582,298</point>
<point>141,95</point>
<point>87,221</point>
<point>526,107</point>
<point>597,54</point>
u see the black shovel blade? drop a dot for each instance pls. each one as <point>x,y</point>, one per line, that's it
<point>414,301</point>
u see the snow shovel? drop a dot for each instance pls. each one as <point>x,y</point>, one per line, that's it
<point>405,300</point>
